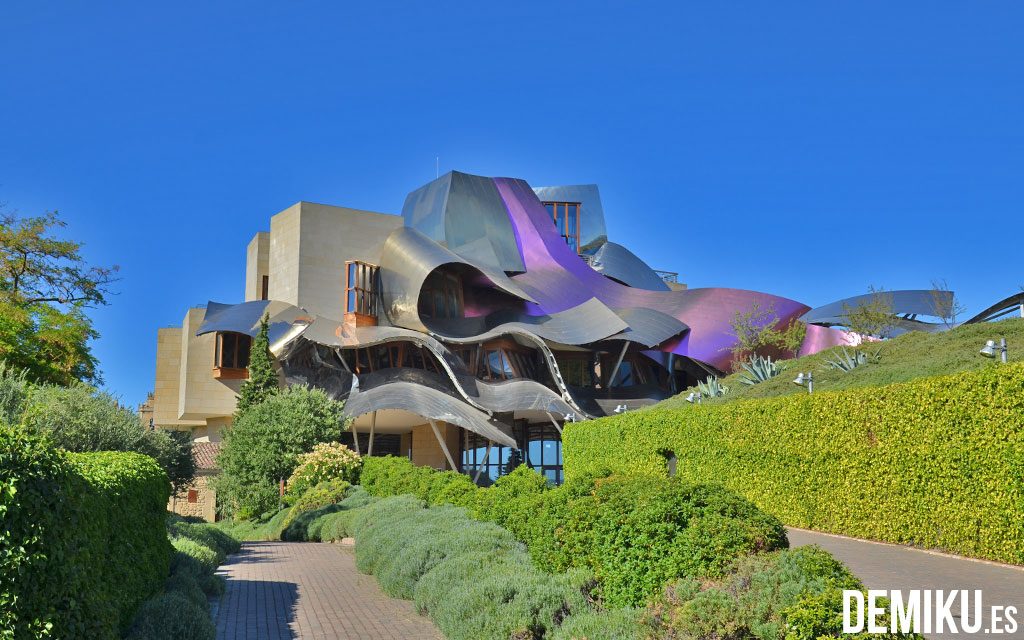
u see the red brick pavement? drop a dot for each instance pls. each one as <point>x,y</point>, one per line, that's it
<point>283,590</point>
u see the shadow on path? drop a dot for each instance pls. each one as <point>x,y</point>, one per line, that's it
<point>308,590</point>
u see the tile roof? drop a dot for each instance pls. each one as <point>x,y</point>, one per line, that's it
<point>205,455</point>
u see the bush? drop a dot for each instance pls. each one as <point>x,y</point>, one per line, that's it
<point>201,558</point>
<point>796,594</point>
<point>202,532</point>
<point>634,534</point>
<point>473,579</point>
<point>172,616</point>
<point>327,461</point>
<point>263,446</point>
<point>937,457</point>
<point>13,392</point>
<point>329,523</point>
<point>65,516</point>
<point>305,509</point>
<point>182,609</point>
<point>613,624</point>
<point>80,418</point>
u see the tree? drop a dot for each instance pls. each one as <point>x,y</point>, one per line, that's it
<point>45,288</point>
<point>172,450</point>
<point>945,304</point>
<point>872,317</point>
<point>263,445</point>
<point>757,332</point>
<point>262,381</point>
<point>80,418</point>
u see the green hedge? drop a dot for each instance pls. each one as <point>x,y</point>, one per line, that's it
<point>936,462</point>
<point>67,519</point>
<point>472,578</point>
<point>181,611</point>
<point>633,534</point>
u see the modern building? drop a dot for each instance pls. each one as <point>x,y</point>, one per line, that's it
<point>466,331</point>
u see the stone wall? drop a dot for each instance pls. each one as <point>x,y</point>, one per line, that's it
<point>205,504</point>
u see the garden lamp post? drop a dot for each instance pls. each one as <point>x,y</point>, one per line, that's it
<point>990,349</point>
<point>808,377</point>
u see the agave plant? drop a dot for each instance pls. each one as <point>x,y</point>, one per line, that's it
<point>759,369</point>
<point>712,388</point>
<point>846,362</point>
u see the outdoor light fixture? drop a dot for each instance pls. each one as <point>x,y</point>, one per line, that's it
<point>570,417</point>
<point>990,349</point>
<point>621,408</point>
<point>805,377</point>
<point>693,397</point>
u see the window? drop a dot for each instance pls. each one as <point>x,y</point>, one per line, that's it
<point>502,460</point>
<point>540,447</point>
<point>232,351</point>
<point>361,288</point>
<point>193,496</point>
<point>544,451</point>
<point>575,369</point>
<point>441,296</point>
<point>566,216</point>
<point>501,360</point>
<point>265,288</point>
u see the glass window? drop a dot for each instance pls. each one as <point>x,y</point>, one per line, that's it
<point>566,217</point>
<point>441,296</point>
<point>231,350</point>
<point>361,288</point>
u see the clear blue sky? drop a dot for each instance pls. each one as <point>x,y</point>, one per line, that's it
<point>805,149</point>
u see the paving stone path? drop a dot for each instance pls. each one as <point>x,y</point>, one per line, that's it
<point>307,590</point>
<point>890,566</point>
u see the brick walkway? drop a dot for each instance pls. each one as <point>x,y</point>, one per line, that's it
<point>278,590</point>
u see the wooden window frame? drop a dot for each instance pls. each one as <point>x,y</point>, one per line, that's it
<point>231,369</point>
<point>361,288</point>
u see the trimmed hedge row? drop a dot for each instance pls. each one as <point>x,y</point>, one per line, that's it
<point>936,462</point>
<point>634,535</point>
<point>181,611</point>
<point>472,578</point>
<point>65,516</point>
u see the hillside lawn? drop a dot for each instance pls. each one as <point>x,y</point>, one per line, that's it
<point>909,356</point>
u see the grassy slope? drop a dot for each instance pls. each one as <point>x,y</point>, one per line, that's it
<point>912,355</point>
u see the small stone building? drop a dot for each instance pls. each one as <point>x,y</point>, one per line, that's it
<point>199,499</point>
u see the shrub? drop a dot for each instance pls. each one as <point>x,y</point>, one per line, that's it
<point>612,624</point>
<point>263,445</point>
<point>304,511</point>
<point>939,457</point>
<point>80,418</point>
<point>472,578</point>
<point>172,616</point>
<point>634,534</point>
<point>794,594</point>
<point>182,609</point>
<point>201,558</point>
<point>205,533</point>
<point>327,461</point>
<point>65,516</point>
<point>638,535</point>
<point>13,391</point>
<point>330,522</point>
